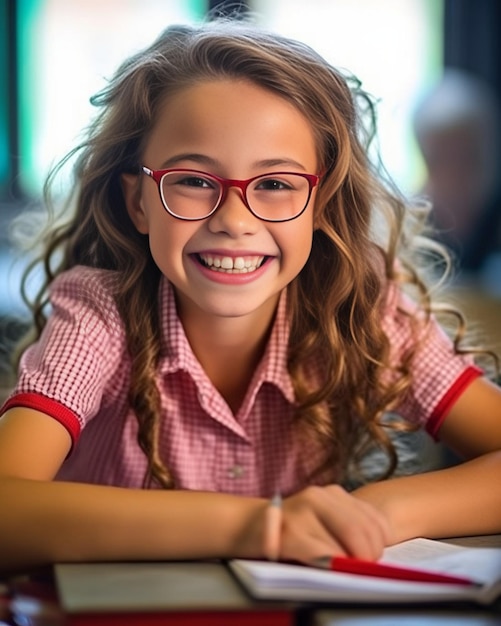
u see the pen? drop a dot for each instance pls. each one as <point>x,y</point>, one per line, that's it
<point>350,565</point>
<point>273,528</point>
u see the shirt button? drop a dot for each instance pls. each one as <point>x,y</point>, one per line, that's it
<point>237,471</point>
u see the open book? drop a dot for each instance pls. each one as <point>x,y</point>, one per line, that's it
<point>482,566</point>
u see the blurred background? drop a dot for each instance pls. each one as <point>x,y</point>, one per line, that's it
<point>54,54</point>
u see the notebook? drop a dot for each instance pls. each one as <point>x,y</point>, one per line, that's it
<point>482,566</point>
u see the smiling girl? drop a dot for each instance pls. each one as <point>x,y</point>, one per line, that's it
<point>226,322</point>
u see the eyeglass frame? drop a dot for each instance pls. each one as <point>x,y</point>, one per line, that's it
<point>225,184</point>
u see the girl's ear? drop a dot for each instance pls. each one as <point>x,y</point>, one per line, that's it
<point>132,196</point>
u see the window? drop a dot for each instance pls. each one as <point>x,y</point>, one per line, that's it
<point>66,52</point>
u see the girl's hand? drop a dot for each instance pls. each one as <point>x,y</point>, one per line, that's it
<point>328,521</point>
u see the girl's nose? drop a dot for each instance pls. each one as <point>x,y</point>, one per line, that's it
<point>233,217</point>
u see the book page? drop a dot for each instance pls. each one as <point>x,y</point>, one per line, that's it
<point>483,565</point>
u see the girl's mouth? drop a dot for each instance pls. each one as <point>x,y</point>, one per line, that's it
<point>231,265</point>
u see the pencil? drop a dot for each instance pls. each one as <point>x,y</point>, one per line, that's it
<point>273,528</point>
<point>350,565</point>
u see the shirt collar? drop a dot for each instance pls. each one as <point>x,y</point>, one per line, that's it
<point>176,352</point>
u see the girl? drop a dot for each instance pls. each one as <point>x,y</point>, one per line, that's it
<point>227,322</point>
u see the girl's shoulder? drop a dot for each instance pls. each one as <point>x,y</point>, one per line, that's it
<point>398,301</point>
<point>404,318</point>
<point>84,277</point>
<point>87,289</point>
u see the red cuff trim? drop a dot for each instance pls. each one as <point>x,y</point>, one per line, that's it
<point>447,401</point>
<point>50,407</point>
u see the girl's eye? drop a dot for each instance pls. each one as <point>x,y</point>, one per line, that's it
<point>272,184</point>
<point>196,181</point>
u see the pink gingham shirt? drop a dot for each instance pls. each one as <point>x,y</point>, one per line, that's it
<point>78,373</point>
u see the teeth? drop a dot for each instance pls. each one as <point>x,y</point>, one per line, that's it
<point>237,265</point>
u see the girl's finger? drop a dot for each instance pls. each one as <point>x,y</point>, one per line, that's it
<point>357,526</point>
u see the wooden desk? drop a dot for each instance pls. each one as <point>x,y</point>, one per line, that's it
<point>482,541</point>
<point>418,616</point>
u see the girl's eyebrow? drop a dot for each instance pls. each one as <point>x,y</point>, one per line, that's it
<point>204,159</point>
<point>283,161</point>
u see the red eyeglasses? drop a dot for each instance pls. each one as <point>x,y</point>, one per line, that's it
<point>193,195</point>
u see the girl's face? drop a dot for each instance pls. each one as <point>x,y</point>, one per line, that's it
<point>233,129</point>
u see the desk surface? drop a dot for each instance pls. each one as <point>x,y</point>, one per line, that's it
<point>482,541</point>
<point>399,617</point>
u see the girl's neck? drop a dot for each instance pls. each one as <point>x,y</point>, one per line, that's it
<point>229,349</point>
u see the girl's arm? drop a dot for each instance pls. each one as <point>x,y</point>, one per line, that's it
<point>44,521</point>
<point>461,500</point>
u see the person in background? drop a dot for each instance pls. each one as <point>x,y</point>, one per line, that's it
<point>229,311</point>
<point>457,127</point>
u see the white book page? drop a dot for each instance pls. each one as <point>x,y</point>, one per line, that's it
<point>483,565</point>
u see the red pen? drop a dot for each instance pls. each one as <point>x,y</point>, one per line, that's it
<point>350,565</point>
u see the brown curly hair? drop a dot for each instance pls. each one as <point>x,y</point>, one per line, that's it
<point>335,302</point>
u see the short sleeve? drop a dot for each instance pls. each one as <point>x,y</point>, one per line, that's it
<point>439,374</point>
<point>65,372</point>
